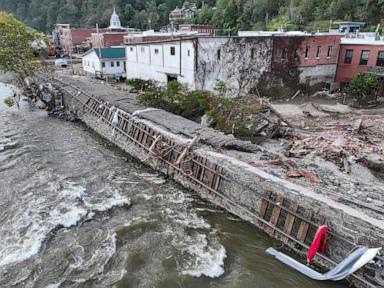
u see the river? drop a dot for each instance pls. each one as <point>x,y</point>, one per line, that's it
<point>75,211</point>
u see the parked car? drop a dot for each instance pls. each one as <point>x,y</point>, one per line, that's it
<point>62,62</point>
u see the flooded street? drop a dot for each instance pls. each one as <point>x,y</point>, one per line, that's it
<point>75,211</point>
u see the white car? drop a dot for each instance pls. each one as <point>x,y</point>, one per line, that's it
<point>62,62</point>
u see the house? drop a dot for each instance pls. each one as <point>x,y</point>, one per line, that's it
<point>105,61</point>
<point>201,62</point>
<point>202,29</point>
<point>179,15</point>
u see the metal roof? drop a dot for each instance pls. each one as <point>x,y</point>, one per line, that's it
<point>110,53</point>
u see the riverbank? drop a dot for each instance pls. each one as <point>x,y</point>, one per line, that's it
<point>242,187</point>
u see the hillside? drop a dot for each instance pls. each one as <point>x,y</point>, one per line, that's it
<point>228,15</point>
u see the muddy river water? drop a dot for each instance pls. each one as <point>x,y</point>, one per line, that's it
<point>75,211</point>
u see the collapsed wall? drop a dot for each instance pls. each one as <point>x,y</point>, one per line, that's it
<point>284,209</point>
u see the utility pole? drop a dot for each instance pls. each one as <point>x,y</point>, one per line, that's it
<point>99,41</point>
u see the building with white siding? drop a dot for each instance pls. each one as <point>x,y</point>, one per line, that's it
<point>111,63</point>
<point>200,62</point>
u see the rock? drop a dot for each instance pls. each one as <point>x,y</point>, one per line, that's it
<point>207,121</point>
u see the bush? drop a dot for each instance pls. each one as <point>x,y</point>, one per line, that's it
<point>9,101</point>
<point>176,99</point>
<point>140,84</point>
<point>364,88</point>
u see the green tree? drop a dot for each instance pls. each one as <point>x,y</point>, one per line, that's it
<point>364,88</point>
<point>16,52</point>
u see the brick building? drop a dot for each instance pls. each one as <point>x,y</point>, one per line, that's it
<point>359,54</point>
<point>302,58</point>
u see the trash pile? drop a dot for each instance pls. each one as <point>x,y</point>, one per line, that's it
<point>343,145</point>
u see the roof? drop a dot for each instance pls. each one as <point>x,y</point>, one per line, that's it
<point>108,53</point>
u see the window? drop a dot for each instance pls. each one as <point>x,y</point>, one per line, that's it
<point>173,51</point>
<point>307,52</point>
<point>380,59</point>
<point>252,53</point>
<point>131,49</point>
<point>218,54</point>
<point>318,51</point>
<point>142,49</point>
<point>112,64</point>
<point>156,51</point>
<point>189,52</point>
<point>364,57</point>
<point>118,63</point>
<point>329,52</point>
<point>103,64</point>
<point>93,65</point>
<point>348,56</point>
<point>284,53</point>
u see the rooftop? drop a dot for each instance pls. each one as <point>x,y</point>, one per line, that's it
<point>109,53</point>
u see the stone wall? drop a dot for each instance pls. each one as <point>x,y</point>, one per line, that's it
<point>240,192</point>
<point>239,62</point>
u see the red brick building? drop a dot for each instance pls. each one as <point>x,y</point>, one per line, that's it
<point>107,39</point>
<point>359,55</point>
<point>303,58</point>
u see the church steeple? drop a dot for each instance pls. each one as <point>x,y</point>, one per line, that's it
<point>115,23</point>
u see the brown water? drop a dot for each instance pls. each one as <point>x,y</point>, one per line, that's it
<point>77,212</point>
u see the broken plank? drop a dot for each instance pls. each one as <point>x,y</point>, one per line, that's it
<point>304,226</point>
<point>289,221</point>
<point>263,207</point>
<point>275,215</point>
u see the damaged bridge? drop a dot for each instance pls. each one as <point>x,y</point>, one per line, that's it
<point>213,165</point>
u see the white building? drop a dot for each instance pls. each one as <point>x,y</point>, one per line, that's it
<point>111,62</point>
<point>200,62</point>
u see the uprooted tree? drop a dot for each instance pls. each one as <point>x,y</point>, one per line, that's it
<point>16,47</point>
<point>363,89</point>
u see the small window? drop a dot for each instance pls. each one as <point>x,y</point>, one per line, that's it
<point>318,51</point>
<point>156,51</point>
<point>142,49</point>
<point>118,63</point>
<point>218,54</point>
<point>348,56</point>
<point>131,49</point>
<point>173,51</point>
<point>329,52</point>
<point>307,52</point>
<point>284,53</point>
<point>189,52</point>
<point>296,55</point>
<point>103,64</point>
<point>112,64</point>
<point>252,53</point>
<point>364,57</point>
<point>380,59</point>
<point>93,65</point>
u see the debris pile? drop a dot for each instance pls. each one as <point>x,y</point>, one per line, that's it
<point>248,118</point>
<point>344,145</point>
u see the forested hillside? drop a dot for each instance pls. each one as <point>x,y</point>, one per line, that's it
<point>227,15</point>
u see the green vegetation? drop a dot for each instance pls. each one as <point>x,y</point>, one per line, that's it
<point>175,98</point>
<point>140,85</point>
<point>16,51</point>
<point>9,101</point>
<point>228,16</point>
<point>363,89</point>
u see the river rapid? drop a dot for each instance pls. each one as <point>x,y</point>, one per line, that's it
<point>75,211</point>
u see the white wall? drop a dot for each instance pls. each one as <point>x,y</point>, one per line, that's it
<point>317,74</point>
<point>91,64</point>
<point>153,61</point>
